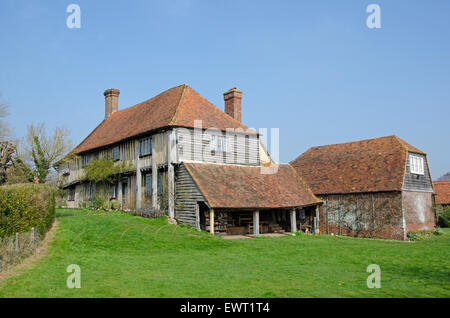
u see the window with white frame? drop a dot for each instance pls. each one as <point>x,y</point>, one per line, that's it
<point>218,143</point>
<point>416,164</point>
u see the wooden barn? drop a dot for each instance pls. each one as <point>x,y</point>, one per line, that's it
<point>376,188</point>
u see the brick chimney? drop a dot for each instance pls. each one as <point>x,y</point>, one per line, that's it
<point>111,101</point>
<point>232,99</point>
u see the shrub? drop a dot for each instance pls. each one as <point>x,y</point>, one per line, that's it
<point>444,216</point>
<point>421,235</point>
<point>115,205</point>
<point>23,206</point>
<point>106,205</point>
<point>149,212</point>
<point>97,203</point>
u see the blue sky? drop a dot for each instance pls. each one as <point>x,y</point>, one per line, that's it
<point>310,68</point>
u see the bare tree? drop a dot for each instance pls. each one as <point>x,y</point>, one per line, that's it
<point>42,151</point>
<point>6,151</point>
<point>6,147</point>
<point>5,132</point>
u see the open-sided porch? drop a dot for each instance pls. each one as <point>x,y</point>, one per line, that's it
<point>242,200</point>
<point>256,222</point>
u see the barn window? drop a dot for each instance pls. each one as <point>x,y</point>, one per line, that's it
<point>71,194</point>
<point>148,185</point>
<point>113,191</point>
<point>116,153</point>
<point>84,160</point>
<point>416,164</point>
<point>145,147</point>
<point>218,143</point>
<point>65,169</point>
<point>159,184</point>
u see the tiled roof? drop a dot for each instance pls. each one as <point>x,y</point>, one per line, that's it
<point>442,191</point>
<point>178,106</point>
<point>236,186</point>
<point>370,165</point>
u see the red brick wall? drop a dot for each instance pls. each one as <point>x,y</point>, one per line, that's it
<point>418,211</point>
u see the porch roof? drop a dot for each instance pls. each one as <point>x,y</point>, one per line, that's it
<point>236,186</point>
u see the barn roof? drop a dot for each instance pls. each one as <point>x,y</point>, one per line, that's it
<point>442,191</point>
<point>370,165</point>
<point>177,106</point>
<point>236,186</point>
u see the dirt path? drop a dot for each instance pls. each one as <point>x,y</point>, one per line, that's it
<point>29,261</point>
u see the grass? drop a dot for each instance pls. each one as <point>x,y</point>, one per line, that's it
<point>125,256</point>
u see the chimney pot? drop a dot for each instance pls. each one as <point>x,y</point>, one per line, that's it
<point>233,106</point>
<point>111,101</point>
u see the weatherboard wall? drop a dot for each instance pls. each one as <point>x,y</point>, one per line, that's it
<point>417,182</point>
<point>241,148</point>
<point>187,196</point>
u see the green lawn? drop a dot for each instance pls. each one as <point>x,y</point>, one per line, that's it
<point>125,256</point>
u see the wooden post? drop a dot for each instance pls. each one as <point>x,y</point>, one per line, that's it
<point>256,223</point>
<point>32,236</point>
<point>155,204</point>
<point>211,221</point>
<point>17,243</point>
<point>293,221</point>
<point>317,223</point>
<point>197,216</point>
<point>373,213</point>
<point>119,195</point>
<point>138,181</point>
<point>326,214</point>
<point>171,158</point>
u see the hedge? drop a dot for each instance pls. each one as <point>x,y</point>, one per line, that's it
<point>444,216</point>
<point>23,206</point>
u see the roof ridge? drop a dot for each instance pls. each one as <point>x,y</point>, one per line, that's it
<point>89,135</point>
<point>339,143</point>
<point>122,111</point>
<point>399,140</point>
<point>178,105</point>
<point>130,107</point>
<point>408,147</point>
<point>354,141</point>
<point>231,117</point>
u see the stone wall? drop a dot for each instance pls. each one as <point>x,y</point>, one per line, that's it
<point>363,214</point>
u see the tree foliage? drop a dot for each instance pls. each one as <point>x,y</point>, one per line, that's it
<point>43,151</point>
<point>105,170</point>
<point>19,172</point>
